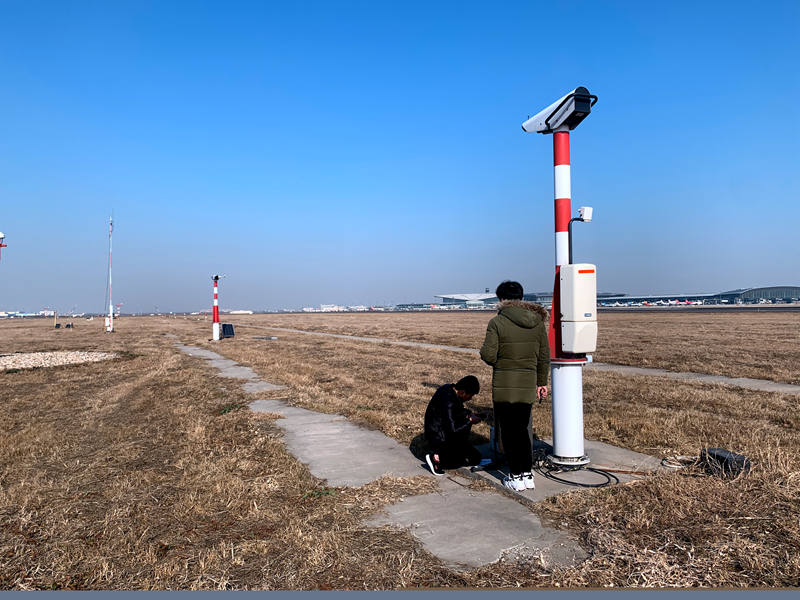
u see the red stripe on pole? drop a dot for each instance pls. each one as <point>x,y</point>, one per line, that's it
<point>561,148</point>
<point>215,308</point>
<point>554,329</point>
<point>562,210</point>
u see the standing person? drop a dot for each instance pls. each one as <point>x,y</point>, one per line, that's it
<point>516,347</point>
<point>447,426</point>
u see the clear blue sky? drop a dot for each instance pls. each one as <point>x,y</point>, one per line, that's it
<point>371,152</point>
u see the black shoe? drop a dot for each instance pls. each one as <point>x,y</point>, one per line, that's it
<point>433,465</point>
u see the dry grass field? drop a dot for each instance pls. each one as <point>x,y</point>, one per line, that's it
<point>146,472</point>
<point>761,345</point>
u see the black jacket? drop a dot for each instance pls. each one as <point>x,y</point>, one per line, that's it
<point>446,419</point>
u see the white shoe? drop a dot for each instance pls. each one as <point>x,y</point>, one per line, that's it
<point>514,482</point>
<point>527,479</point>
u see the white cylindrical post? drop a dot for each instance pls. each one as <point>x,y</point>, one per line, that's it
<point>215,314</point>
<point>565,371</point>
<point>567,412</point>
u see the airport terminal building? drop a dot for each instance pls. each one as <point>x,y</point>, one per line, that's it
<point>759,295</point>
<point>755,295</point>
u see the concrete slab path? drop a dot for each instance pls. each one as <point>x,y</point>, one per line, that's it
<point>740,382</point>
<point>228,368</point>
<point>467,528</point>
<point>463,527</point>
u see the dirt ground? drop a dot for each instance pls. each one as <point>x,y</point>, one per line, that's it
<point>761,345</point>
<point>146,472</point>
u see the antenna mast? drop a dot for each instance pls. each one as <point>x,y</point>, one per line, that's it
<point>110,317</point>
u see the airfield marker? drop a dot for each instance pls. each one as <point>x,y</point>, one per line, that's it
<point>110,317</point>
<point>215,311</point>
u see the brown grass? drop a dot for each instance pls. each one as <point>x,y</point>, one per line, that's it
<point>131,478</point>
<point>127,476</point>
<point>762,345</point>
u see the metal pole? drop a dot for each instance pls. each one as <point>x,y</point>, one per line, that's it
<point>566,374</point>
<point>215,312</point>
<point>110,327</point>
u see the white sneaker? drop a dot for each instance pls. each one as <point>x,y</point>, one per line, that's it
<point>527,479</point>
<point>514,482</point>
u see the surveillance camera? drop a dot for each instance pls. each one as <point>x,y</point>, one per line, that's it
<point>568,111</point>
<point>2,237</point>
<point>586,213</point>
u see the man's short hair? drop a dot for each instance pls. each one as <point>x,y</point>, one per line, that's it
<point>509,290</point>
<point>469,384</point>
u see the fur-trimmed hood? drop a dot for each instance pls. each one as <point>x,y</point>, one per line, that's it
<point>522,313</point>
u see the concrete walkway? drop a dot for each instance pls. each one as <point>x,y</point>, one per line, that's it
<point>253,384</point>
<point>763,385</point>
<point>463,527</point>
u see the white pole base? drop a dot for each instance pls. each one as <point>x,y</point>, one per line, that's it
<point>567,379</point>
<point>215,330</point>
<point>568,462</point>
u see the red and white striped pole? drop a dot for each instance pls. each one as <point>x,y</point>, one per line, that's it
<point>215,310</point>
<point>566,373</point>
<point>566,368</point>
<point>563,210</point>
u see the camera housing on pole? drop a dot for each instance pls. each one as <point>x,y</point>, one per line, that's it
<point>573,316</point>
<point>2,239</point>
<point>566,112</point>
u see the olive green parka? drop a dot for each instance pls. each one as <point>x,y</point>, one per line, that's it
<point>516,347</point>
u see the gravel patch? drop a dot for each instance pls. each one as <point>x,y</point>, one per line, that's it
<point>30,360</point>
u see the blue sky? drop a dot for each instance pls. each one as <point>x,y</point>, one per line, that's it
<point>371,152</point>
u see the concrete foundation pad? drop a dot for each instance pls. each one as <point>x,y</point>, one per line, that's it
<point>624,465</point>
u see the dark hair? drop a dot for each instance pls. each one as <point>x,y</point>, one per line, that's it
<point>469,384</point>
<point>509,290</point>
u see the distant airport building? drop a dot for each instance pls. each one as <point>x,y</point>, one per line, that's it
<point>478,300</point>
<point>488,299</point>
<point>761,295</point>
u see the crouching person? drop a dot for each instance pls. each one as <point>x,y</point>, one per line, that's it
<point>448,424</point>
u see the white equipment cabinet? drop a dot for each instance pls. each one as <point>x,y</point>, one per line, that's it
<point>578,308</point>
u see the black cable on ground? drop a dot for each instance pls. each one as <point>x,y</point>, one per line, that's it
<point>546,469</point>
<point>548,473</point>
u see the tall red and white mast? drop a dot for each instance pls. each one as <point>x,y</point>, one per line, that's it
<point>215,310</point>
<point>573,321</point>
<point>110,317</point>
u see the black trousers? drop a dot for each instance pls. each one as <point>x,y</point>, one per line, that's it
<point>456,454</point>
<point>512,419</point>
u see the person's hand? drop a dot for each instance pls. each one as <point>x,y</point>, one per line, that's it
<point>541,392</point>
<point>475,418</point>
